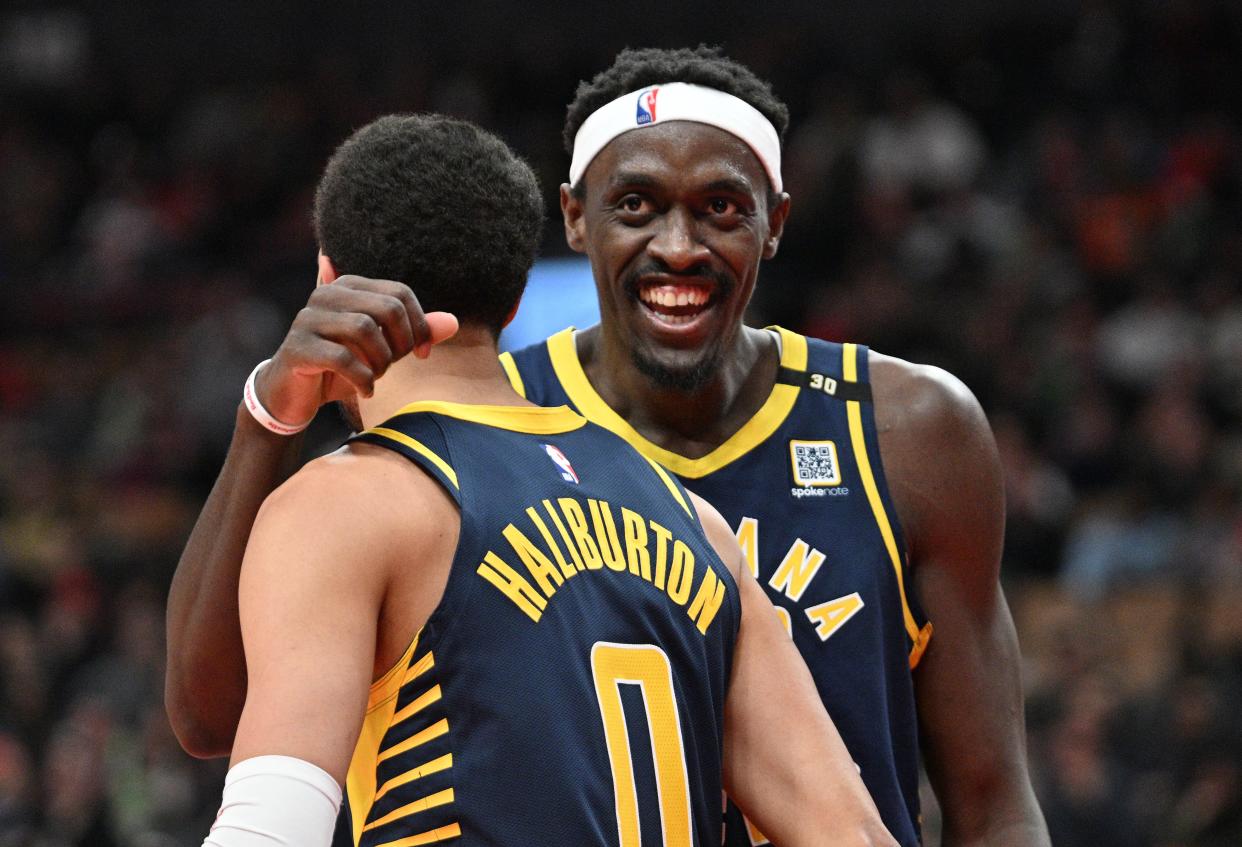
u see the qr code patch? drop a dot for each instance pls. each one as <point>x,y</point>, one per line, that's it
<point>815,463</point>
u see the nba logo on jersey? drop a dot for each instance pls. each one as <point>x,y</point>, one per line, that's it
<point>559,459</point>
<point>647,106</point>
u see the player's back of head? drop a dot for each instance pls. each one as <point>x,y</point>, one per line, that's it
<point>436,203</point>
<point>702,65</point>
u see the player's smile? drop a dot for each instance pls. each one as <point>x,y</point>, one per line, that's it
<point>678,306</point>
<point>675,219</point>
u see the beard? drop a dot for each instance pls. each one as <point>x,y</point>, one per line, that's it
<point>686,379</point>
<point>683,378</point>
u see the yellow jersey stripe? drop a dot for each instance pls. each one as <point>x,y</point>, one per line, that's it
<point>443,763</point>
<point>425,663</point>
<point>443,833</point>
<point>535,420</point>
<point>511,371</point>
<point>437,729</point>
<point>424,700</point>
<point>564,354</point>
<point>853,410</point>
<point>420,448</point>
<point>440,798</point>
<point>390,683</point>
<point>672,486</point>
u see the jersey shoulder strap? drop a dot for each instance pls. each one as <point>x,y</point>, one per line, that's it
<point>835,370</point>
<point>533,370</point>
<point>420,437</point>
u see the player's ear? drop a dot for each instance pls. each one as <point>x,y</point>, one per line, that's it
<point>778,213</point>
<point>512,313</point>
<point>327,272</point>
<point>575,225</point>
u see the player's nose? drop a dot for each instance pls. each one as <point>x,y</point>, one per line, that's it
<point>677,242</point>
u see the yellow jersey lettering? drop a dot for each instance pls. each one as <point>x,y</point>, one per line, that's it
<point>680,573</point>
<point>539,565</point>
<point>636,543</point>
<point>560,528</point>
<point>831,616</point>
<point>566,568</point>
<point>797,570</point>
<point>707,601</point>
<point>513,585</point>
<point>748,539</point>
<point>663,536</point>
<point>576,518</point>
<point>606,535</point>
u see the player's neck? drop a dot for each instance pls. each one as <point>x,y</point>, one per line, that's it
<point>463,369</point>
<point>690,423</point>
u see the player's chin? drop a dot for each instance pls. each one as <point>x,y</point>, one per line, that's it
<point>677,369</point>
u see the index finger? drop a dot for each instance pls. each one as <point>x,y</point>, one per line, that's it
<point>400,291</point>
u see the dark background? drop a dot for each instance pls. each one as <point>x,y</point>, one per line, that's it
<point>1042,197</point>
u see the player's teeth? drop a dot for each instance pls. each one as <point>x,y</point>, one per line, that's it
<point>674,298</point>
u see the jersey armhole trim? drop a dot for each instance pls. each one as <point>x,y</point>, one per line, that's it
<point>515,376</point>
<point>919,637</point>
<point>419,448</point>
<point>672,486</point>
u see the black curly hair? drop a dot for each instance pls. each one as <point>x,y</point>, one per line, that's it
<point>702,65</point>
<point>436,203</point>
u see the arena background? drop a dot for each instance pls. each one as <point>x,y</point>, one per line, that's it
<point>1042,197</point>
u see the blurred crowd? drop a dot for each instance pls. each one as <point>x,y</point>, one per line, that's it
<point>1050,207</point>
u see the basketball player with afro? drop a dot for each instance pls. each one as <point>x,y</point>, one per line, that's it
<point>864,490</point>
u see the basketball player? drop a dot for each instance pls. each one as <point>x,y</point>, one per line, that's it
<point>865,490</point>
<point>494,622</point>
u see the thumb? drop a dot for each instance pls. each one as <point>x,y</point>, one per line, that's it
<point>442,325</point>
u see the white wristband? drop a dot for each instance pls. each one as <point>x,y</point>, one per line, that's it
<point>262,415</point>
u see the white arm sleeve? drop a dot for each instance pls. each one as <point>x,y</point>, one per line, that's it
<point>276,801</point>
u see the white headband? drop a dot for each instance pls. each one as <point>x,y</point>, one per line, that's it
<point>677,101</point>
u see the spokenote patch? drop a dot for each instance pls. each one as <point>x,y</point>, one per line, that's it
<point>816,469</point>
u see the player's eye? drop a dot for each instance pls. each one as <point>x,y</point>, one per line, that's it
<point>633,204</point>
<point>721,206</point>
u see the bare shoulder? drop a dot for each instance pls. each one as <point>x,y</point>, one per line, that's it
<point>716,528</point>
<point>922,399</point>
<point>940,460</point>
<point>357,494</point>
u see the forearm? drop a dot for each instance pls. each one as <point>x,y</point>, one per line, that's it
<point>205,686</point>
<point>1026,833</point>
<point>1011,821</point>
<point>808,792</point>
<point>785,764</point>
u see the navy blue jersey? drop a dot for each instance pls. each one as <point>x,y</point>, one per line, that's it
<point>802,485</point>
<point>569,688</point>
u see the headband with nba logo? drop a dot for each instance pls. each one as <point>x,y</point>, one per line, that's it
<point>677,101</point>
